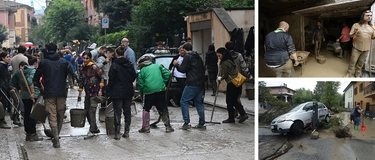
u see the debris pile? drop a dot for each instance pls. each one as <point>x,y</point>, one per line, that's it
<point>343,132</point>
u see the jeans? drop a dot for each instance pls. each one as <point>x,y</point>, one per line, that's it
<point>181,84</point>
<point>122,105</point>
<point>192,93</point>
<point>356,121</point>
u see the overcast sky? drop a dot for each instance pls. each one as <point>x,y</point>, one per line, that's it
<point>37,3</point>
<point>303,83</point>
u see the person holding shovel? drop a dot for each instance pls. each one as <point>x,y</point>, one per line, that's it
<point>152,79</point>
<point>357,114</point>
<point>228,71</point>
<point>18,81</point>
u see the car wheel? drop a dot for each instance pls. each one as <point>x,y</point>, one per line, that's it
<point>327,119</point>
<point>297,127</point>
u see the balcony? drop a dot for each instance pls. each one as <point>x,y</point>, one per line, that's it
<point>369,91</point>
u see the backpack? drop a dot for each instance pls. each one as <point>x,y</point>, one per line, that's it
<point>242,66</point>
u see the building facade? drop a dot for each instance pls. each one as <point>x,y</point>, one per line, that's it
<point>348,92</point>
<point>282,93</point>
<point>364,93</point>
<point>7,18</point>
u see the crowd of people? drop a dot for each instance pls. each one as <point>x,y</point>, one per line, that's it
<point>106,74</point>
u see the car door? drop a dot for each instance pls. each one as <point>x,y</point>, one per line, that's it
<point>322,110</point>
<point>306,113</point>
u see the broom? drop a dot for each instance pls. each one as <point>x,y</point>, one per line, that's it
<point>47,132</point>
<point>363,127</point>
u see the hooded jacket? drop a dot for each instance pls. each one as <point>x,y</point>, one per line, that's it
<point>91,79</point>
<point>4,77</point>
<point>121,78</point>
<point>193,66</point>
<point>18,82</point>
<point>228,70</point>
<point>152,78</point>
<point>54,70</point>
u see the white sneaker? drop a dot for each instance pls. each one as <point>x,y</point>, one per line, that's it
<point>173,103</point>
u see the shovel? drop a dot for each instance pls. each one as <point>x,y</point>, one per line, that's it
<point>47,132</point>
<point>363,127</point>
<point>213,108</point>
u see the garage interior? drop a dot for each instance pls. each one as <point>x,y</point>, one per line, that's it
<point>302,16</point>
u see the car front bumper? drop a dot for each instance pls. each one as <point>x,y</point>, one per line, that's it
<point>282,127</point>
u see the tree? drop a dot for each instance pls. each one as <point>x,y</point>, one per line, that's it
<point>302,95</point>
<point>3,33</point>
<point>64,16</point>
<point>318,90</point>
<point>264,92</point>
<point>119,14</point>
<point>330,95</point>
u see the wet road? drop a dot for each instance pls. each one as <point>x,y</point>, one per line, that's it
<point>219,141</point>
<point>326,147</point>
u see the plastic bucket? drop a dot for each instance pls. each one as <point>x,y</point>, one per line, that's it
<point>109,125</point>
<point>77,117</point>
<point>102,114</point>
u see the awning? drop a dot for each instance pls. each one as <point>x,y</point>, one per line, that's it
<point>351,8</point>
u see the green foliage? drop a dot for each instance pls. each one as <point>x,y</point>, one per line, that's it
<point>329,96</point>
<point>33,22</point>
<point>302,95</point>
<point>264,92</point>
<point>238,4</point>
<point>112,38</point>
<point>37,35</point>
<point>318,90</point>
<point>119,14</point>
<point>3,33</point>
<point>62,17</point>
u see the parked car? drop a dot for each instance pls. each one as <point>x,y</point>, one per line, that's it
<point>298,118</point>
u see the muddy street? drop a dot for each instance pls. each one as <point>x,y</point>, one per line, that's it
<point>219,141</point>
<point>326,147</point>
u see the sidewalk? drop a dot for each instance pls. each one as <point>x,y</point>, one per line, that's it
<point>220,101</point>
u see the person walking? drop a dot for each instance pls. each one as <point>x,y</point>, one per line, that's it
<point>212,68</point>
<point>5,87</point>
<point>362,34</point>
<point>279,45</point>
<point>28,98</point>
<point>344,40</point>
<point>180,77</point>
<point>92,82</point>
<point>55,71</point>
<point>120,88</point>
<point>318,38</point>
<point>357,115</point>
<point>152,79</point>
<point>193,66</point>
<point>228,71</point>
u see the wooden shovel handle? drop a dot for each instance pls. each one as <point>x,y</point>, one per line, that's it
<point>27,85</point>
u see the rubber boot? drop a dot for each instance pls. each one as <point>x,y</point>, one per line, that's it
<point>92,115</point>
<point>126,131</point>
<point>167,124</point>
<point>55,140</point>
<point>154,125</point>
<point>60,119</point>
<point>145,122</point>
<point>117,132</point>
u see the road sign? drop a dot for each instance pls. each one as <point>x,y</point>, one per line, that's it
<point>105,23</point>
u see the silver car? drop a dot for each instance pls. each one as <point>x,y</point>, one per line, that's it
<point>298,118</point>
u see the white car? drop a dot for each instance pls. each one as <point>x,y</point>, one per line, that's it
<point>298,118</point>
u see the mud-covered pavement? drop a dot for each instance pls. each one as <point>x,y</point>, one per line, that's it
<point>219,141</point>
<point>326,147</point>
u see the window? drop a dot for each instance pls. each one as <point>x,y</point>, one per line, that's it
<point>361,87</point>
<point>355,90</point>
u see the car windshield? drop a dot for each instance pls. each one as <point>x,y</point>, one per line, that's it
<point>164,61</point>
<point>297,108</point>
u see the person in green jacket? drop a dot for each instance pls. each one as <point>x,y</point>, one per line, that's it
<point>27,98</point>
<point>152,79</point>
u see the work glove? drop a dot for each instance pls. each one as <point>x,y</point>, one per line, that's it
<point>219,78</point>
<point>296,63</point>
<point>79,99</point>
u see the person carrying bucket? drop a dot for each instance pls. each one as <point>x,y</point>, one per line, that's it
<point>91,80</point>
<point>54,71</point>
<point>121,91</point>
<point>357,114</point>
